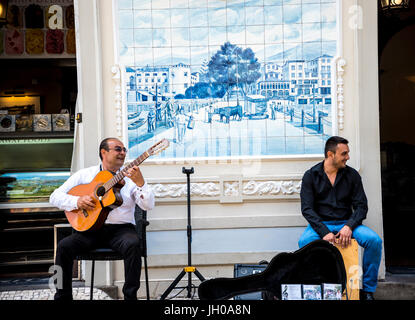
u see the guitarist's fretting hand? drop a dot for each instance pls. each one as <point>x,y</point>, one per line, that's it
<point>86,203</point>
<point>135,175</point>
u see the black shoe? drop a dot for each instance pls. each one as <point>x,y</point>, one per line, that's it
<point>366,296</point>
<point>62,295</point>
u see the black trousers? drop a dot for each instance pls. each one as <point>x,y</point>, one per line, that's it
<point>122,238</point>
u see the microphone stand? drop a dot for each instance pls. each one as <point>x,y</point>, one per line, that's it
<point>189,269</point>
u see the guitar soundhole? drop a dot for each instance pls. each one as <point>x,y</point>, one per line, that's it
<point>99,191</point>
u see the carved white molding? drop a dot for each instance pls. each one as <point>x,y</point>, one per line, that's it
<point>340,64</point>
<point>209,189</point>
<point>229,191</point>
<point>116,77</point>
<point>271,187</point>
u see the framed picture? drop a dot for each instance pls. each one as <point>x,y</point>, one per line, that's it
<point>24,122</point>
<point>42,122</point>
<point>7,123</point>
<point>60,122</point>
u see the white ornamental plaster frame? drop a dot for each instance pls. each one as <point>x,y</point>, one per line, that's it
<point>221,185</point>
<point>338,87</point>
<point>229,189</point>
<point>118,101</point>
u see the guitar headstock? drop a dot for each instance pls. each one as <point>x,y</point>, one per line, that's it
<point>158,147</point>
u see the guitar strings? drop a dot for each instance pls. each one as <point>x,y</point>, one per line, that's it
<point>119,176</point>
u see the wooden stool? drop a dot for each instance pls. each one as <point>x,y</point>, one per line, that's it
<point>353,269</point>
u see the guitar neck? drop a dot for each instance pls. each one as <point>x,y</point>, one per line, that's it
<point>120,175</point>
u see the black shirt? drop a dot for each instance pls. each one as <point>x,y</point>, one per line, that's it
<point>322,201</point>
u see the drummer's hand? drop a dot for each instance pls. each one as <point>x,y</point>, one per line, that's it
<point>330,237</point>
<point>344,237</point>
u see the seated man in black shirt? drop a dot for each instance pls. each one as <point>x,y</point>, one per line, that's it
<point>334,204</point>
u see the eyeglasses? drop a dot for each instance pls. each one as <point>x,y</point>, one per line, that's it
<point>119,149</point>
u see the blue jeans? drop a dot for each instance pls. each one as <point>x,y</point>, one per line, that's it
<point>366,238</point>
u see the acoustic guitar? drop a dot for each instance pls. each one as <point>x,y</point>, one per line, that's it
<point>105,190</point>
<point>316,263</point>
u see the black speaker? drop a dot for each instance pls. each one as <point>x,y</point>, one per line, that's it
<point>241,270</point>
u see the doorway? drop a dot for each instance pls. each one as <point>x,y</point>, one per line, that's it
<point>397,136</point>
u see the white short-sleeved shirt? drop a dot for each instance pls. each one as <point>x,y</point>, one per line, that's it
<point>130,192</point>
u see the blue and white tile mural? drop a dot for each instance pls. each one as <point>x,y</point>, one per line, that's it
<point>228,78</point>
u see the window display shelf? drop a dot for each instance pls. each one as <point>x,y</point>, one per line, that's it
<point>27,207</point>
<point>35,151</point>
<point>35,135</point>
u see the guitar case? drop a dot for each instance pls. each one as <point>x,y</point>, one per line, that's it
<point>316,263</point>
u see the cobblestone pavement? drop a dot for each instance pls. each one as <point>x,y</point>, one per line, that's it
<point>81,293</point>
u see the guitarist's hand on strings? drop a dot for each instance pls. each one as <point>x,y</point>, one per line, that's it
<point>135,175</point>
<point>86,203</point>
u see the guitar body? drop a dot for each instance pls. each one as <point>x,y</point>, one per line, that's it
<point>316,263</point>
<point>83,220</point>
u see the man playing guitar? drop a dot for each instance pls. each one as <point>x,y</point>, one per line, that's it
<point>117,231</point>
